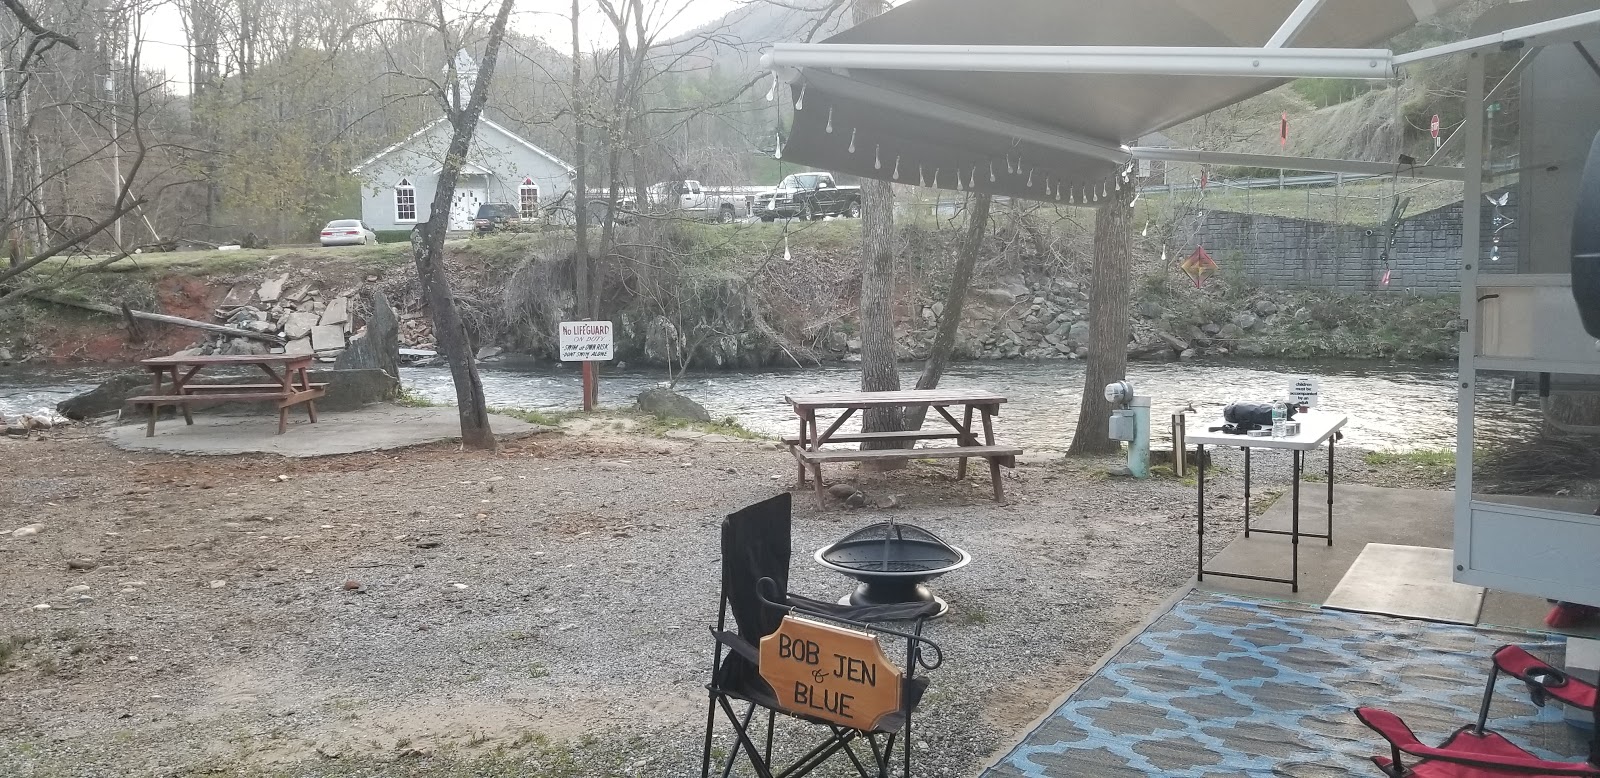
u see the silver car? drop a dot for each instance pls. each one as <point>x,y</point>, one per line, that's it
<point>348,232</point>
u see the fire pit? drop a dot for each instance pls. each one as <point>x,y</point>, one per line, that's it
<point>893,562</point>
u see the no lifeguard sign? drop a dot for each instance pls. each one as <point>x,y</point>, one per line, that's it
<point>830,673</point>
<point>585,341</point>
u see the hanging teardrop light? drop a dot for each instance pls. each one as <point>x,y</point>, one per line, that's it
<point>800,102</point>
<point>777,147</point>
<point>896,174</point>
<point>877,161</point>
<point>1030,178</point>
<point>972,178</point>
<point>786,256</point>
<point>772,93</point>
<point>829,128</point>
<point>922,175</point>
<point>1008,165</point>
<point>852,148</point>
<point>991,171</point>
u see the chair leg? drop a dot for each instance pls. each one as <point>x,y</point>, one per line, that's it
<point>1488,697</point>
<point>711,725</point>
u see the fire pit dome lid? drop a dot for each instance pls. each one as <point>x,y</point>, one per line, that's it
<point>890,548</point>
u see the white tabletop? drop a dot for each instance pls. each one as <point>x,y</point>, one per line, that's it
<point>1315,429</point>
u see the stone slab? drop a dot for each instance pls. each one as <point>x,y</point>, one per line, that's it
<point>374,428</point>
<point>299,346</point>
<point>272,288</point>
<point>238,295</point>
<point>298,325</point>
<point>336,312</point>
<point>327,337</point>
<point>1411,582</point>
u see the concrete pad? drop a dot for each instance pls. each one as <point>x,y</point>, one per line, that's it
<point>373,428</point>
<point>337,312</point>
<point>327,337</point>
<point>1408,581</point>
<point>1362,515</point>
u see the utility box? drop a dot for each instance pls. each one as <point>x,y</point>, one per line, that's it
<point>1123,425</point>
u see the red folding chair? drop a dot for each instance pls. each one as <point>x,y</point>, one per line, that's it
<point>1474,751</point>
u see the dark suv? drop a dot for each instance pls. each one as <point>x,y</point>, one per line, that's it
<point>493,217</point>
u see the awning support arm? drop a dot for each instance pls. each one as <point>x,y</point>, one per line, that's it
<point>1292,25</point>
<point>1566,29</point>
<point>1510,77</point>
<point>1120,60</point>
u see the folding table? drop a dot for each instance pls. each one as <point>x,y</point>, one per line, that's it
<point>1316,428</point>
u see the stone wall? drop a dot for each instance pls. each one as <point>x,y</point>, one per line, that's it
<point>1296,253</point>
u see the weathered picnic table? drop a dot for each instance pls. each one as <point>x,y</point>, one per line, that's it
<point>808,450</point>
<point>290,385</point>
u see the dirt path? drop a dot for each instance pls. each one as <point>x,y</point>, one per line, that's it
<point>538,612</point>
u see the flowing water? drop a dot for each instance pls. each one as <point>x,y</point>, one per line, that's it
<point>1391,406</point>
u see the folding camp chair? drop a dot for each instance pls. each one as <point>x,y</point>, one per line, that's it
<point>755,574</point>
<point>1474,751</point>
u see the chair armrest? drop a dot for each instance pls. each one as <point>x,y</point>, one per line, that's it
<point>1544,680</point>
<point>737,645</point>
<point>1402,739</point>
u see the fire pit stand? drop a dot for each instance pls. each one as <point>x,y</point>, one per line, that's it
<point>893,562</point>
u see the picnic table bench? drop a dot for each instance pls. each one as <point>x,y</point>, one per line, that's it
<point>808,451</point>
<point>290,385</point>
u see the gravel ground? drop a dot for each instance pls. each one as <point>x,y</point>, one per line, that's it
<point>537,612</point>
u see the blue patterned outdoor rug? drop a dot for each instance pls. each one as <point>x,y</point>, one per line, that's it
<point>1225,686</point>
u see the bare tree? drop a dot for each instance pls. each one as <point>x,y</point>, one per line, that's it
<point>1108,321</point>
<point>427,240</point>
<point>944,340</point>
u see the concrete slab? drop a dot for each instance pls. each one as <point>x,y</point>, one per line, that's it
<point>272,288</point>
<point>298,324</point>
<point>327,337</point>
<point>337,312</point>
<point>1408,581</point>
<point>299,346</point>
<point>373,428</point>
<point>1362,515</point>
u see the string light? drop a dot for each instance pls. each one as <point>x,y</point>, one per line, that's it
<point>1030,178</point>
<point>852,148</point>
<point>1008,164</point>
<point>772,93</point>
<point>800,102</point>
<point>922,175</point>
<point>896,174</point>
<point>777,147</point>
<point>829,128</point>
<point>972,179</point>
<point>786,255</point>
<point>877,161</point>
<point>991,171</point>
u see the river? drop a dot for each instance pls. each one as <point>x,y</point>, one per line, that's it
<point>1397,407</point>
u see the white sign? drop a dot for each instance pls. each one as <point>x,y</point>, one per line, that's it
<point>1304,391</point>
<point>585,341</point>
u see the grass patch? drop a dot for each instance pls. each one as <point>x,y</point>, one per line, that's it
<point>1261,502</point>
<point>1436,459</point>
<point>727,425</point>
<point>541,418</point>
<point>410,399</point>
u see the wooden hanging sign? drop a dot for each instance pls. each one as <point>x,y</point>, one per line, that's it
<point>830,673</point>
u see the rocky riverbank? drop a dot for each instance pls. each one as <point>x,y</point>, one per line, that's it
<point>738,307</point>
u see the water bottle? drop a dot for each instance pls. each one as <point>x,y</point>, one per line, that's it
<point>1279,415</point>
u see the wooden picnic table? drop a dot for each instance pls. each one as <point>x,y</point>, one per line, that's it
<point>290,385</point>
<point>808,451</point>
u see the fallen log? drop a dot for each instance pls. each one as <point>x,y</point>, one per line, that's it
<point>158,317</point>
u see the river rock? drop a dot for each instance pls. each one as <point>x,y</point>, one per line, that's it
<point>1211,329</point>
<point>1230,331</point>
<point>1151,310</point>
<point>1265,307</point>
<point>1245,320</point>
<point>1079,331</point>
<point>27,531</point>
<point>854,344</point>
<point>843,491</point>
<point>108,397</point>
<point>667,404</point>
<point>5,356</point>
<point>243,347</point>
<point>487,353</point>
<point>377,346</point>
<point>938,309</point>
<point>1186,355</point>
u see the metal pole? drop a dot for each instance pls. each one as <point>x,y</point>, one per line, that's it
<point>1471,217</point>
<point>116,157</point>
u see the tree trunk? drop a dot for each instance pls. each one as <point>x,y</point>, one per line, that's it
<point>427,249</point>
<point>879,372</point>
<point>1108,322</point>
<point>944,341</point>
<point>580,181</point>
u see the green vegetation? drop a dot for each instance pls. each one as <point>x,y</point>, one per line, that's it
<point>1323,92</point>
<point>410,399</point>
<point>1439,465</point>
<point>393,236</point>
<point>541,418</point>
<point>1357,203</point>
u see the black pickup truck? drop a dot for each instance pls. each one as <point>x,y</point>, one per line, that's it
<point>808,196</point>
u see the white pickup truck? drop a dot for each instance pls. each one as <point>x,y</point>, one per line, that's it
<point>689,199</point>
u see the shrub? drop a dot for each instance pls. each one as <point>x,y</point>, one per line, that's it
<point>393,236</point>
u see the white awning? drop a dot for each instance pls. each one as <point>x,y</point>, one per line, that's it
<point>1039,98</point>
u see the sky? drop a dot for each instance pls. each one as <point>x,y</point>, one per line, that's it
<point>165,43</point>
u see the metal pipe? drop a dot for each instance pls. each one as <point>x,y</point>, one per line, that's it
<point>1350,166</point>
<point>1117,60</point>
<point>1296,22</point>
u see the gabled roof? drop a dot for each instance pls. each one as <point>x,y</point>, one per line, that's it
<point>483,121</point>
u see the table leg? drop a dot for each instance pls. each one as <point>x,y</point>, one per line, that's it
<point>994,462</point>
<point>311,405</point>
<point>966,430</point>
<point>150,429</point>
<point>801,442</point>
<point>283,419</point>
<point>1200,555</point>
<point>1247,491</point>
<point>1330,491</point>
<point>1294,526</point>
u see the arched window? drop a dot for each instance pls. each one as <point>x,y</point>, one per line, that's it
<point>405,201</point>
<point>528,197</point>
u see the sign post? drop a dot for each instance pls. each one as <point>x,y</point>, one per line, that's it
<point>588,342</point>
<point>1433,128</point>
